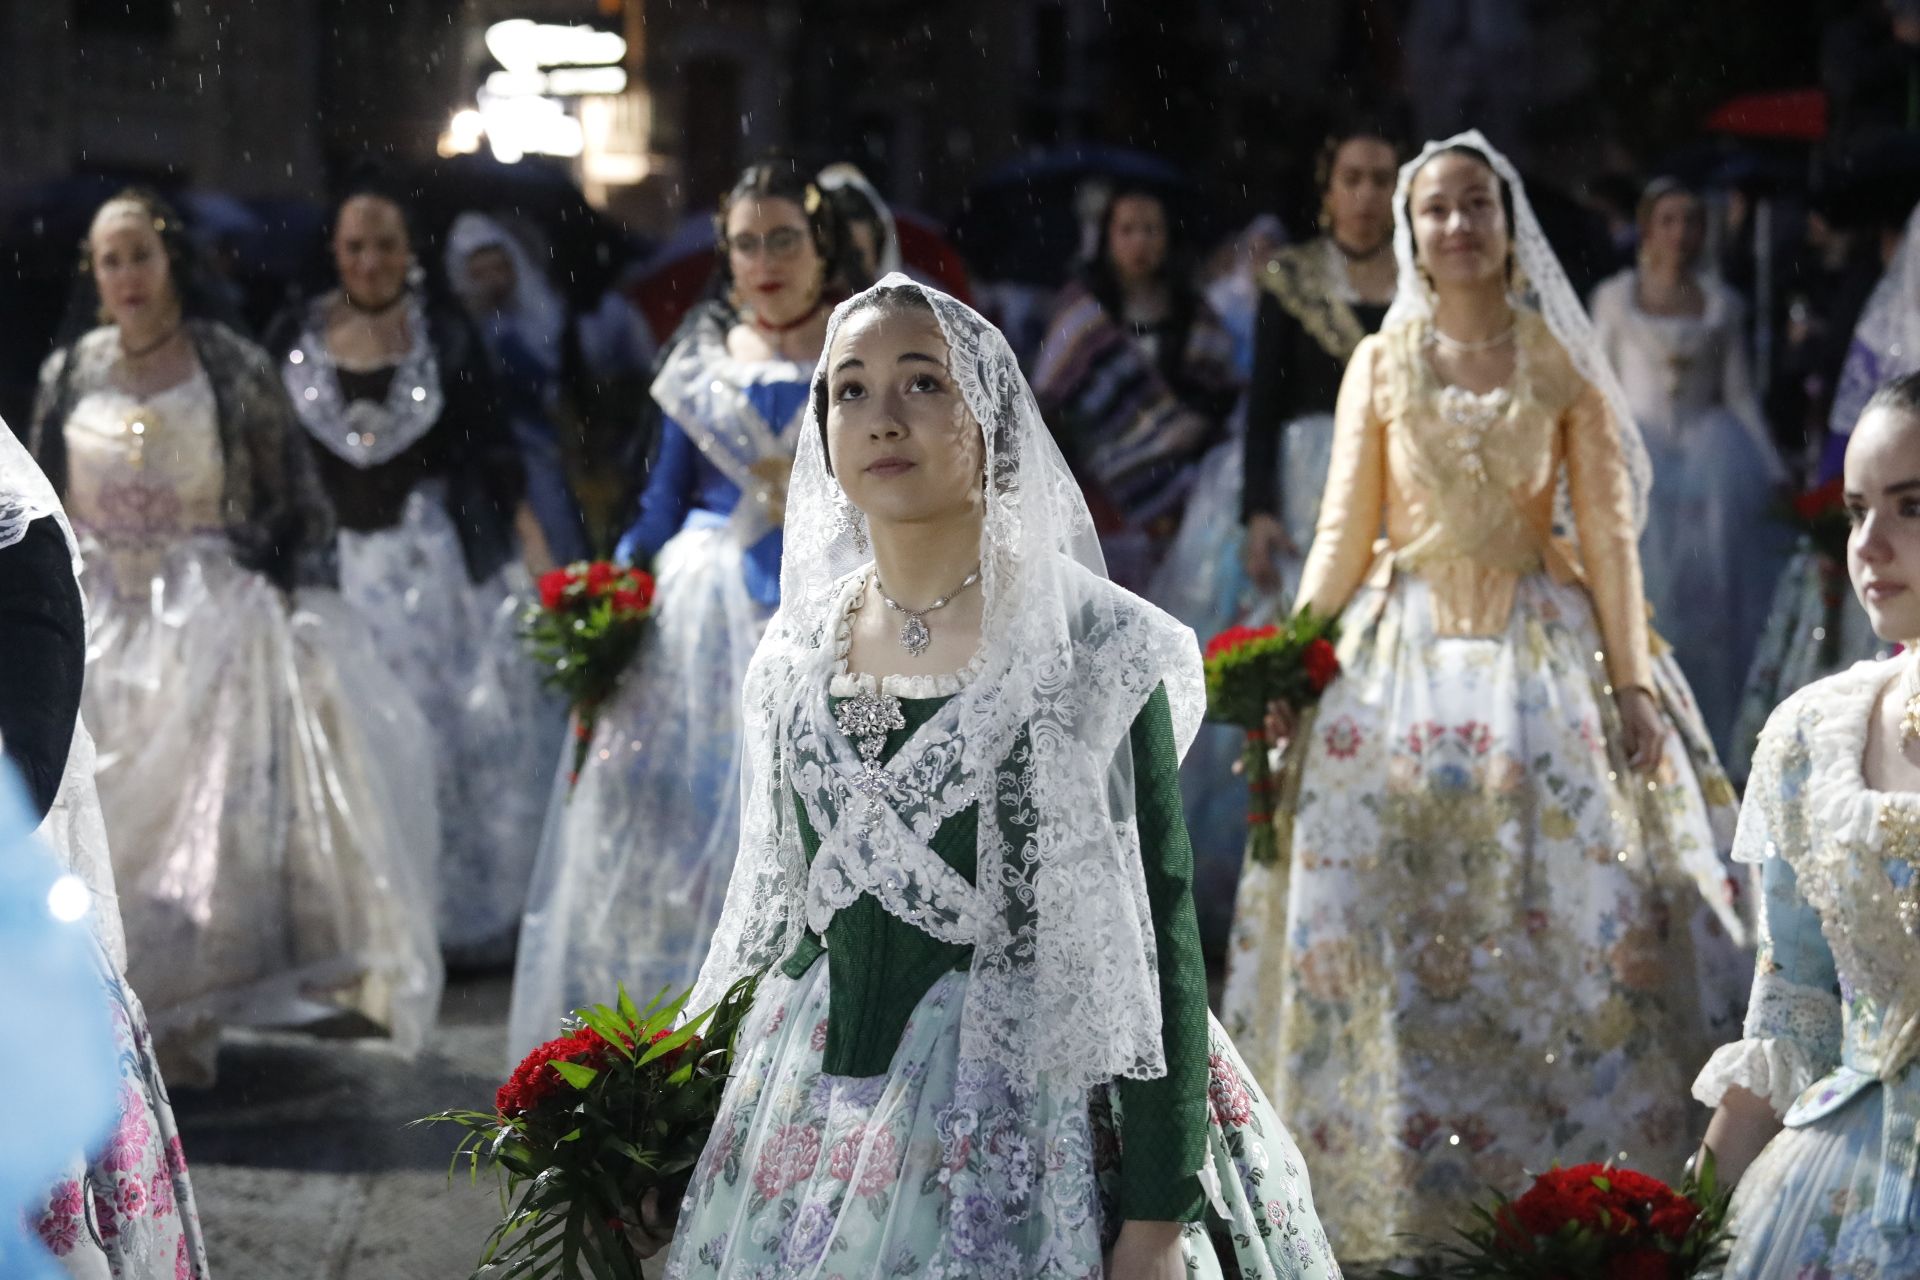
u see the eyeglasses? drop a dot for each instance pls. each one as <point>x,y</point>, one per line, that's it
<point>781,242</point>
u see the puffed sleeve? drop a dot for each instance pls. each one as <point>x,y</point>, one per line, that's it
<point>1351,505</point>
<point>1602,495</point>
<point>1792,1035</point>
<point>1163,1122</point>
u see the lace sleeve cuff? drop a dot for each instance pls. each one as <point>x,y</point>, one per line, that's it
<point>1778,1070</point>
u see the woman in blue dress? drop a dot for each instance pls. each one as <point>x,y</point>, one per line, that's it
<point>1818,1116</point>
<point>637,849</point>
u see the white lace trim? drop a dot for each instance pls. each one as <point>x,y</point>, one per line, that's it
<point>364,433</point>
<point>1064,977</point>
<point>1852,830</point>
<point>846,683</point>
<point>1775,1069</point>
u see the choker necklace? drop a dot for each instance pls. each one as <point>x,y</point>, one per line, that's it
<point>914,636</point>
<point>128,353</point>
<point>1458,347</point>
<point>768,326</point>
<point>373,312</point>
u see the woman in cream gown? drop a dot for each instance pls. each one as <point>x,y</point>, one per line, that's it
<point>263,775</point>
<point>1501,932</point>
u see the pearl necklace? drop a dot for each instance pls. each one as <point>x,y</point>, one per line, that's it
<point>1459,347</point>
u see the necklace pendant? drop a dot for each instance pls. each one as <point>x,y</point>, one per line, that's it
<point>914,636</point>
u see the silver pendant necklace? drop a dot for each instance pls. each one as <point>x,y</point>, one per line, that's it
<point>914,635</point>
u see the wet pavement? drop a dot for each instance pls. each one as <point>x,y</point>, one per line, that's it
<point>304,1166</point>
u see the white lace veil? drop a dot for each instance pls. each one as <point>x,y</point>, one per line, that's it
<point>1063,980</point>
<point>1540,283</point>
<point>74,828</point>
<point>836,176</point>
<point>1886,341</point>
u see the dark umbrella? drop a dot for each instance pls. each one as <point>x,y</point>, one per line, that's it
<point>1021,222</point>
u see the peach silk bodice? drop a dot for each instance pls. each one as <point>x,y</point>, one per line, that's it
<point>1467,503</point>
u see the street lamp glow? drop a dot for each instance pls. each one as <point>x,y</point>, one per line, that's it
<point>520,44</point>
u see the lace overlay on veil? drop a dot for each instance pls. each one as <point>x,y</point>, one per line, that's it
<point>1064,977</point>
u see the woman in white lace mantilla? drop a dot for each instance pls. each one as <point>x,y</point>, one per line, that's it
<point>1714,544</point>
<point>633,867</point>
<point>980,1044</point>
<point>259,766</point>
<point>1500,933</point>
<point>1825,1086</point>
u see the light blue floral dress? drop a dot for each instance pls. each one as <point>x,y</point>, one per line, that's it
<point>1833,1030</point>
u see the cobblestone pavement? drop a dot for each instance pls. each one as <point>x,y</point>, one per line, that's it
<point>303,1166</point>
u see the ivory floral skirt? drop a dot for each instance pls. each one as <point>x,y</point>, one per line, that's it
<point>1491,945</point>
<point>936,1169</point>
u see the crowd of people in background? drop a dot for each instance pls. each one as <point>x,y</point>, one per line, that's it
<point>328,772</point>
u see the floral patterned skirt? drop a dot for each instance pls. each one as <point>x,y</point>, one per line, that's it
<point>1491,945</point>
<point>456,647</point>
<point>936,1169</point>
<point>1805,1206</point>
<point>128,1212</point>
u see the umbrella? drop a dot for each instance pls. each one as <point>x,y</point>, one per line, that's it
<point>1021,221</point>
<point>1797,115</point>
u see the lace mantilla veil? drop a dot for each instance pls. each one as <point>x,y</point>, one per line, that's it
<point>1542,285</point>
<point>75,826</point>
<point>1064,983</point>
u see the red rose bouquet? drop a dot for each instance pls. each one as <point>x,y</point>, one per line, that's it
<point>1595,1222</point>
<point>589,1123</point>
<point>584,632</point>
<point>1250,667</point>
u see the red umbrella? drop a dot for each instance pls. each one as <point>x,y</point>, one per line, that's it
<point>1798,115</point>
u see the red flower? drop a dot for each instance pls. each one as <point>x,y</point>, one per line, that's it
<point>1236,638</point>
<point>553,588</point>
<point>532,1083</point>
<point>1814,503</point>
<point>628,602</point>
<point>600,575</point>
<point>1675,1218</point>
<point>1321,662</point>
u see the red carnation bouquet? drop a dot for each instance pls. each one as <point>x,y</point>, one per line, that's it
<point>1251,667</point>
<point>584,633</point>
<point>1596,1222</point>
<point>589,1123</point>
